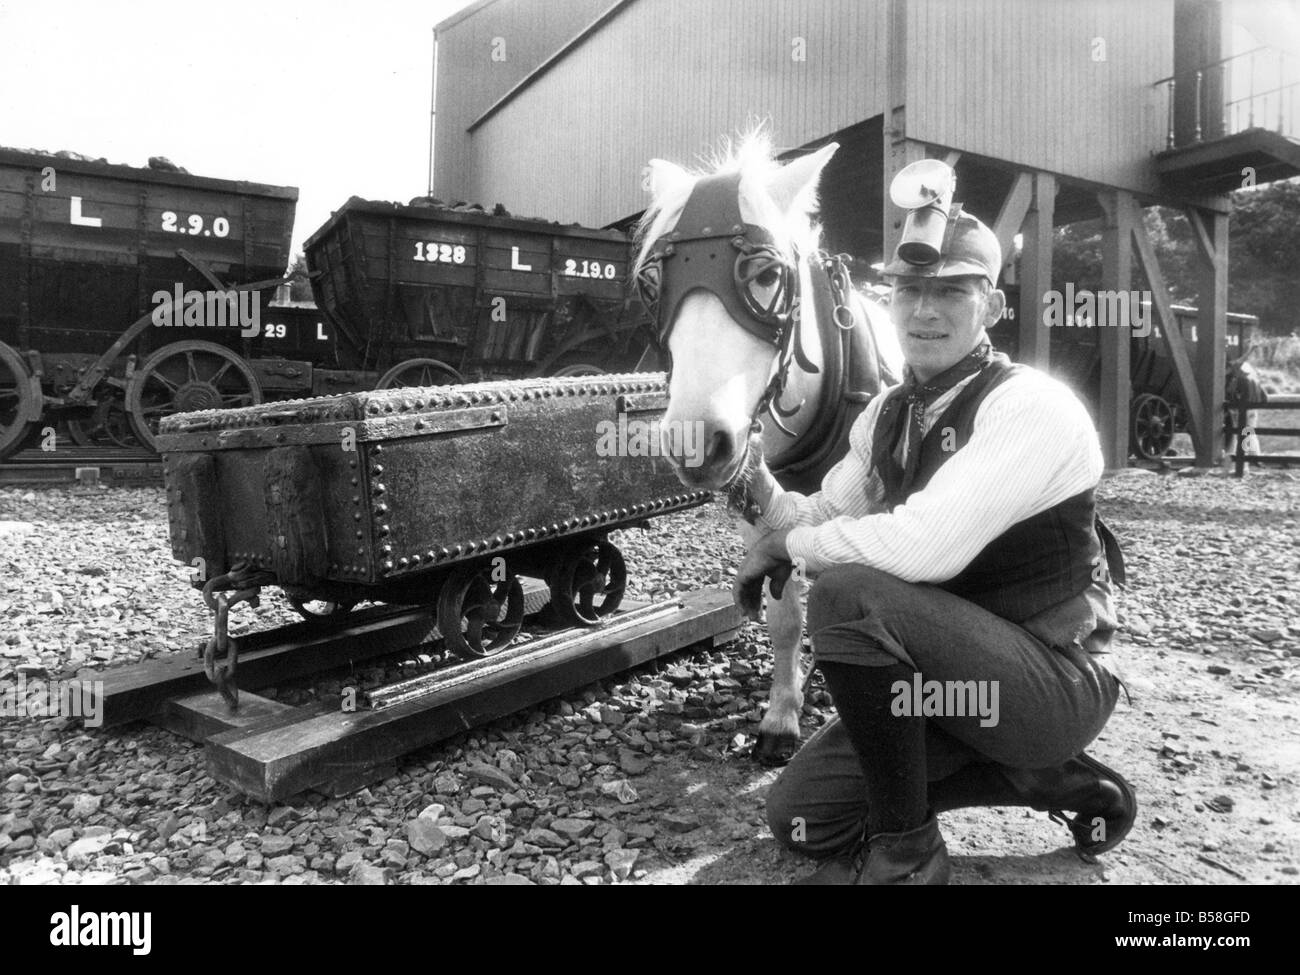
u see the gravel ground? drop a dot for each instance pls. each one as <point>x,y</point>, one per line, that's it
<point>645,777</point>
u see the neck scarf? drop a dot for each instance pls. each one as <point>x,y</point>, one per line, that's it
<point>904,412</point>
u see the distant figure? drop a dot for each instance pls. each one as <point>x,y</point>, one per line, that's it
<point>1242,384</point>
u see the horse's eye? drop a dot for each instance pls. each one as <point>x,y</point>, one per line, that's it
<point>767,279</point>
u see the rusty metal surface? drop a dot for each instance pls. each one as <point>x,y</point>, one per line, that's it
<point>416,480</point>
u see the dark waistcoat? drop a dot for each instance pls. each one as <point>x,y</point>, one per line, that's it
<point>1037,563</point>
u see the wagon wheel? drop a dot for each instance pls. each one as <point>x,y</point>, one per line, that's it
<point>475,618</point>
<point>187,376</point>
<point>1151,426</point>
<point>419,372</point>
<point>17,401</point>
<point>108,425</point>
<point>321,609</point>
<point>585,571</point>
<point>580,369</point>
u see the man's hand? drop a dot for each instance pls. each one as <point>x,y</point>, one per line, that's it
<point>769,557</point>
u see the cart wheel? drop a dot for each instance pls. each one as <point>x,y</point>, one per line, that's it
<point>184,377</point>
<point>476,619</point>
<point>320,609</point>
<point>1151,426</point>
<point>420,372</point>
<point>108,425</point>
<point>20,402</point>
<point>588,570</point>
<point>579,369</point>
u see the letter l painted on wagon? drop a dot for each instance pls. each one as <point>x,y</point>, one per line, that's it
<point>78,220</point>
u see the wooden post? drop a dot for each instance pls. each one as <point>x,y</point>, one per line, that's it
<point>898,149</point>
<point>1211,233</point>
<point>1012,215</point>
<point>1170,333</point>
<point>1036,271</point>
<point>1113,343</point>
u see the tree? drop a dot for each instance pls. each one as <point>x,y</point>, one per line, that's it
<point>299,283</point>
<point>1263,255</point>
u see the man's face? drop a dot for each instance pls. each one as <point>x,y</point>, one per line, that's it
<point>939,320</point>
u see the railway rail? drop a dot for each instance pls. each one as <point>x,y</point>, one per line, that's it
<point>117,467</point>
<point>270,750</point>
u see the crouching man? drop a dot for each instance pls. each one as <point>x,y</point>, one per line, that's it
<point>957,542</point>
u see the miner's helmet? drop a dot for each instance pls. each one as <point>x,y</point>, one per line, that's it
<point>940,240</point>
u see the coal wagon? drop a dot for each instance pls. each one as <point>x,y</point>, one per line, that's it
<point>1157,411</point>
<point>86,248</point>
<point>428,294</point>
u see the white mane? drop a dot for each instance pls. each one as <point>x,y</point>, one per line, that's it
<point>752,157</point>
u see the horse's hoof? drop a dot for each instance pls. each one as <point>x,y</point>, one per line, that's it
<point>774,750</point>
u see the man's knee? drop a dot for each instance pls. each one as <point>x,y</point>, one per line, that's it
<point>844,593</point>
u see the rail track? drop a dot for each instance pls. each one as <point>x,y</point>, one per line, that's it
<point>270,750</point>
<point>85,465</point>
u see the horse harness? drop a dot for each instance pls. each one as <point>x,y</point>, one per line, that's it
<point>759,288</point>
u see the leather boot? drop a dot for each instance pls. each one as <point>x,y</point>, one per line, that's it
<point>917,856</point>
<point>1103,802</point>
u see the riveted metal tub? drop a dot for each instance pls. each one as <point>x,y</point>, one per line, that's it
<point>376,495</point>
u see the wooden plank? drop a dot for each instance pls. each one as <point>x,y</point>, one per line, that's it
<point>200,716</point>
<point>141,690</point>
<point>1172,335</point>
<point>1211,234</point>
<point>1012,215</point>
<point>1036,272</point>
<point>270,764</point>
<point>1113,346</point>
<point>295,515</point>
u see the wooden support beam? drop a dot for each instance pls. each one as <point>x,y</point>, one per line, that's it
<point>1012,215</point>
<point>951,158</point>
<point>1211,231</point>
<point>1170,333</point>
<point>1036,271</point>
<point>1113,343</point>
<point>898,149</point>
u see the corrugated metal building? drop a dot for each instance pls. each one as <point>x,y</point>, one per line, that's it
<point>1051,111</point>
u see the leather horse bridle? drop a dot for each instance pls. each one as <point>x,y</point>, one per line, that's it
<point>712,248</point>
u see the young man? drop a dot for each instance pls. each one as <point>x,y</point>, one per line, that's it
<point>961,612</point>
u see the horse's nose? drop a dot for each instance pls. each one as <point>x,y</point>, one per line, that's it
<point>719,448</point>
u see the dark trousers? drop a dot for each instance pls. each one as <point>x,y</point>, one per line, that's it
<point>1051,701</point>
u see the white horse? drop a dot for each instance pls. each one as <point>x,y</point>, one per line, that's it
<point>722,276</point>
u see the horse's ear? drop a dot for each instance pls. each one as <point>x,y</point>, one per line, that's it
<point>662,177</point>
<point>793,183</point>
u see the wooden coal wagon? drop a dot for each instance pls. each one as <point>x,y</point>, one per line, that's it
<point>428,294</point>
<point>1156,411</point>
<point>84,248</point>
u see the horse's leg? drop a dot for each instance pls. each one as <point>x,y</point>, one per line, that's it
<point>778,734</point>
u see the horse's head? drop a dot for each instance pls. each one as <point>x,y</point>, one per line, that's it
<point>722,265</point>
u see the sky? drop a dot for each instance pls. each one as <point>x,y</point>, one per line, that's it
<point>331,96</point>
<point>326,95</point>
